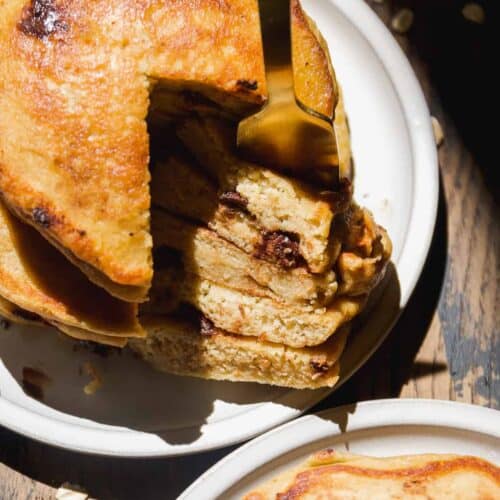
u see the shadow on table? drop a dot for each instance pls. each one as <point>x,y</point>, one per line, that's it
<point>458,57</point>
<point>385,374</point>
<point>105,478</point>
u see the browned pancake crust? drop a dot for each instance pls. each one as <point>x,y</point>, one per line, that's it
<point>75,79</point>
<point>417,476</point>
<point>36,281</point>
<point>315,82</point>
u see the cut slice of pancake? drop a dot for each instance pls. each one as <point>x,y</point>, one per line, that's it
<point>193,195</point>
<point>278,205</point>
<point>186,278</point>
<point>37,278</point>
<point>76,82</point>
<point>209,256</point>
<point>268,319</point>
<point>294,325</point>
<point>330,474</point>
<point>182,348</point>
<point>211,56</point>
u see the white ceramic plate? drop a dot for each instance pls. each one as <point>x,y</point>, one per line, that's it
<point>138,412</point>
<point>377,428</point>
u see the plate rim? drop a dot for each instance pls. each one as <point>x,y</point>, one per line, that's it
<point>424,206</point>
<point>367,415</point>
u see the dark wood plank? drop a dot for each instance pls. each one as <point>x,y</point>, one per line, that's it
<point>451,57</point>
<point>446,344</point>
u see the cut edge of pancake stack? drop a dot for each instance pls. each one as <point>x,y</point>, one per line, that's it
<point>257,275</point>
<point>236,243</point>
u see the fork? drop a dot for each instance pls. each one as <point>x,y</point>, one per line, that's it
<point>286,134</point>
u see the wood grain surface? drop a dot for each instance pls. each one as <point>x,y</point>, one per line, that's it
<point>446,344</point>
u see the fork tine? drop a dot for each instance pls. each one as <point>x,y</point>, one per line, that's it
<point>287,134</point>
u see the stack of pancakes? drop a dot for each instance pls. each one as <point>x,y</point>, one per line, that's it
<point>257,272</point>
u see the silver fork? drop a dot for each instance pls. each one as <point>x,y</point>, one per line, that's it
<point>285,133</point>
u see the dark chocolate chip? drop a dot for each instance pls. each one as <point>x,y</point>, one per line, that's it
<point>234,200</point>
<point>42,217</point>
<point>319,366</point>
<point>280,247</point>
<point>247,84</point>
<point>42,18</point>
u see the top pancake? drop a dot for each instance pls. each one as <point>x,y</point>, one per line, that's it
<point>75,82</point>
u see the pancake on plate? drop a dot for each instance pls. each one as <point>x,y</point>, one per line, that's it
<point>333,475</point>
<point>196,348</point>
<point>76,82</point>
<point>37,283</point>
<point>97,98</point>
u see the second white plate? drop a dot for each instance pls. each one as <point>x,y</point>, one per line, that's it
<point>139,412</point>
<point>381,428</point>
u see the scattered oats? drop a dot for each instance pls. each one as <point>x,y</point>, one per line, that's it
<point>474,13</point>
<point>69,491</point>
<point>438,131</point>
<point>402,21</point>
<point>95,383</point>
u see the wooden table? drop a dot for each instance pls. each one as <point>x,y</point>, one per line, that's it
<point>446,344</point>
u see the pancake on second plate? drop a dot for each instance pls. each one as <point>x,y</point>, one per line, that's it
<point>330,474</point>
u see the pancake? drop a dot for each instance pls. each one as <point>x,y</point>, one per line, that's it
<point>329,474</point>
<point>209,279</point>
<point>11,312</point>
<point>206,254</point>
<point>36,278</point>
<point>366,249</point>
<point>296,325</point>
<point>76,79</point>
<point>195,196</point>
<point>182,348</point>
<point>85,335</point>
<point>277,204</point>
